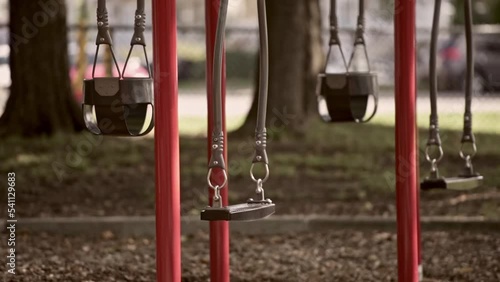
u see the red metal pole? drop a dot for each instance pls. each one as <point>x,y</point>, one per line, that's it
<point>406,142</point>
<point>219,230</point>
<point>168,224</point>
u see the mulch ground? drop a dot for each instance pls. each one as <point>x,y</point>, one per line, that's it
<point>334,256</point>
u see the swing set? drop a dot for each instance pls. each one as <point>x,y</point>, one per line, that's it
<point>123,106</point>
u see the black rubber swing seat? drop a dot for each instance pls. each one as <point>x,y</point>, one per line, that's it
<point>453,183</point>
<point>119,107</point>
<point>347,95</point>
<point>241,212</point>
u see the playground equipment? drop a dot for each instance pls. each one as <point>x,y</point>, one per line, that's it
<point>120,106</point>
<point>468,179</point>
<point>167,146</point>
<point>343,96</point>
<point>260,207</point>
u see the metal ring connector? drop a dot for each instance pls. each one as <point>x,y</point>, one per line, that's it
<point>260,188</point>
<point>468,156</point>
<point>261,179</point>
<point>209,181</point>
<point>434,160</point>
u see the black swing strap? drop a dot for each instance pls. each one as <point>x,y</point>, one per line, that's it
<point>138,37</point>
<point>103,34</point>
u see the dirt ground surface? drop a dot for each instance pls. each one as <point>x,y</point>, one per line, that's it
<point>334,256</point>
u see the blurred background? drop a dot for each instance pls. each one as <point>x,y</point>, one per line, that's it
<point>242,47</point>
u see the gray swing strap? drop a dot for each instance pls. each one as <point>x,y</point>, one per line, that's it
<point>217,156</point>
<point>468,179</point>
<point>468,138</point>
<point>260,156</point>
<point>248,211</point>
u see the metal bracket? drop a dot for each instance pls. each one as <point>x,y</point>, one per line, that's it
<point>260,155</point>
<point>217,158</point>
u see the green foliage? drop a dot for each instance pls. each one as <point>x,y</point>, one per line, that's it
<point>492,15</point>
<point>239,65</point>
<point>496,12</point>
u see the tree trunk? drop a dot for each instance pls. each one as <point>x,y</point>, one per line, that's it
<point>296,57</point>
<point>41,100</point>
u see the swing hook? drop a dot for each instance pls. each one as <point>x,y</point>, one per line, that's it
<point>263,180</point>
<point>428,154</point>
<point>209,180</point>
<point>468,156</point>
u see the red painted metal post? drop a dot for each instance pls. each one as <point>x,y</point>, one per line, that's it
<point>219,230</point>
<point>168,224</point>
<point>406,142</point>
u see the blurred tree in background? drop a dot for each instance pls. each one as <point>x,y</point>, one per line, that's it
<point>41,100</point>
<point>296,57</point>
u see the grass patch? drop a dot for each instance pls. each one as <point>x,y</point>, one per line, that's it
<point>341,168</point>
<point>197,126</point>
<point>197,86</point>
<point>484,122</point>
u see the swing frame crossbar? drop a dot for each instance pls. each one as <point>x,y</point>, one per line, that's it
<point>168,228</point>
